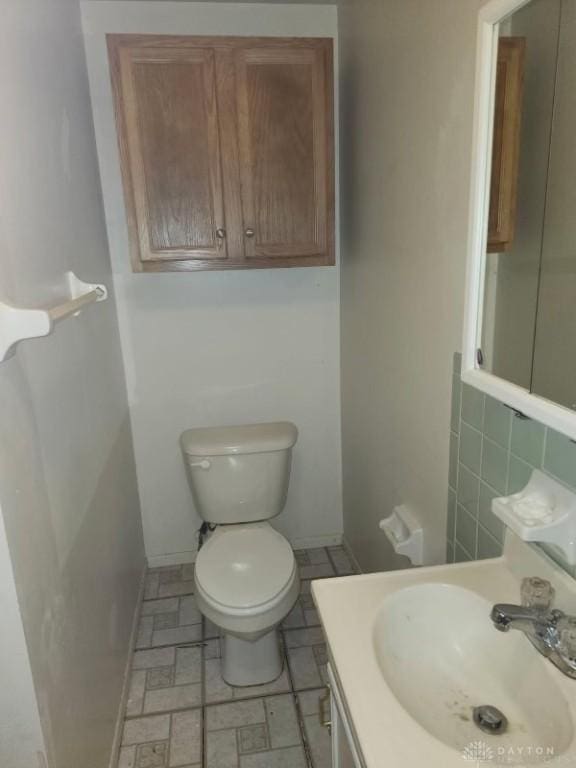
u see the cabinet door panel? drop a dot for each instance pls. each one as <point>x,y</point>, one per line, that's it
<point>168,121</point>
<point>285,129</point>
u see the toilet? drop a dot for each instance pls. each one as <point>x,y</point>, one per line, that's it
<point>246,576</point>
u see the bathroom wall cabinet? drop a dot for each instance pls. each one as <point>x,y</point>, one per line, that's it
<point>226,150</point>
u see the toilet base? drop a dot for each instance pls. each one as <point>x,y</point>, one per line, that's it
<point>251,662</point>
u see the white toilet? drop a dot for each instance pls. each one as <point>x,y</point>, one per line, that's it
<point>246,576</point>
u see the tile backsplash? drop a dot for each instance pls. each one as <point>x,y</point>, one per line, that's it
<point>492,453</point>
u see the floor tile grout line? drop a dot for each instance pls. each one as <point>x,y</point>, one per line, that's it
<point>203,746</point>
<point>202,644</point>
<point>169,736</point>
<point>303,735</point>
<point>167,597</point>
<point>307,753</point>
<point>332,563</point>
<point>189,594</point>
<point>222,702</point>
<point>182,644</point>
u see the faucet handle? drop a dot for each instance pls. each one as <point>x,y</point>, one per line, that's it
<point>566,628</point>
<point>537,593</point>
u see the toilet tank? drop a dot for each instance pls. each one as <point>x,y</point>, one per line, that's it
<point>239,474</point>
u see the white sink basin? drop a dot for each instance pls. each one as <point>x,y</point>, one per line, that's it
<point>413,653</point>
<point>441,657</point>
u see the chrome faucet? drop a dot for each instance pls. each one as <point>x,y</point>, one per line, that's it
<point>550,631</point>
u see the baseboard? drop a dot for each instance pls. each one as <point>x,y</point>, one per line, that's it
<point>306,542</point>
<point>174,558</point>
<point>350,554</point>
<point>310,542</point>
<point>126,677</point>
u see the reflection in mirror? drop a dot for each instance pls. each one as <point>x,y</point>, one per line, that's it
<point>554,365</point>
<point>529,319</point>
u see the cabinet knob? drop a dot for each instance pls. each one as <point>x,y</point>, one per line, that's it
<point>249,232</point>
<point>221,233</point>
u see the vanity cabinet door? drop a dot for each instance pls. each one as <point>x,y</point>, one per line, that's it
<point>167,118</point>
<point>344,751</point>
<point>284,96</point>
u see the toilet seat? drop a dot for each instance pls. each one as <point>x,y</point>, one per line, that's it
<point>244,570</point>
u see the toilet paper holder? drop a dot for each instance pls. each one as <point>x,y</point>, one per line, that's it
<point>404,531</point>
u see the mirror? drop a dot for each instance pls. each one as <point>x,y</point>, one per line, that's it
<point>526,321</point>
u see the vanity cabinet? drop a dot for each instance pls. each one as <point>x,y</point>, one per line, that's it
<point>226,150</point>
<point>344,751</point>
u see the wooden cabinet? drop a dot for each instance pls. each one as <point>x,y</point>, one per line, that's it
<point>506,143</point>
<point>226,148</point>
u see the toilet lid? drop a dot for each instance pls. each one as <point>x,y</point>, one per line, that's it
<point>244,566</point>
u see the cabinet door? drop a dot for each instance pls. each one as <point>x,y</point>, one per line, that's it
<point>285,126</point>
<point>506,143</point>
<point>344,751</point>
<point>166,110</point>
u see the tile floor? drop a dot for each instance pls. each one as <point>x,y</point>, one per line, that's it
<point>180,712</point>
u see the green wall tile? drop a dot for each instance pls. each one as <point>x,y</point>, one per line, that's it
<point>466,526</point>
<point>453,461</point>
<point>494,466</point>
<point>487,546</point>
<point>457,362</point>
<point>460,554</point>
<point>560,457</point>
<point>470,448</point>
<point>451,515</point>
<point>527,440</point>
<point>497,422</point>
<point>492,453</point>
<point>468,490</point>
<point>485,515</point>
<point>472,406</point>
<point>518,474</point>
<point>455,408</point>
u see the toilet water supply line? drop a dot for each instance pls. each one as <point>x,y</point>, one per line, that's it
<point>205,527</point>
<point>202,531</point>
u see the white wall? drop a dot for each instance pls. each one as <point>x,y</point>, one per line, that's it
<point>21,738</point>
<point>407,72</point>
<point>68,490</point>
<point>212,348</point>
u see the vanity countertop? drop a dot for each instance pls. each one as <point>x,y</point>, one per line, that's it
<point>385,732</point>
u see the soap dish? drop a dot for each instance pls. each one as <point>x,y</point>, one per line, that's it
<point>544,511</point>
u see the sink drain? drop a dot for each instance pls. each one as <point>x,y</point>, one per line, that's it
<point>489,719</point>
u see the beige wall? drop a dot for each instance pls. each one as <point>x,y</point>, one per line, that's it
<point>407,71</point>
<point>68,490</point>
<point>231,347</point>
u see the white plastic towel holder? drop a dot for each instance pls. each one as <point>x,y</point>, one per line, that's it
<point>19,323</point>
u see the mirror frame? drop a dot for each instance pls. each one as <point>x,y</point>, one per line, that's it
<point>539,408</point>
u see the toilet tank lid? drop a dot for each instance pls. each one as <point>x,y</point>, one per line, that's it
<point>247,438</point>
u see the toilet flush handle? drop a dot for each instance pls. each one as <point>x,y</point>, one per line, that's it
<point>204,464</point>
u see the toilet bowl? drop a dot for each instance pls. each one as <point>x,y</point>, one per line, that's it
<point>246,576</point>
<point>246,582</point>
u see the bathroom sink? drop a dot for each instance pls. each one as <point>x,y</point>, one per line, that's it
<point>442,658</point>
<point>422,671</point>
